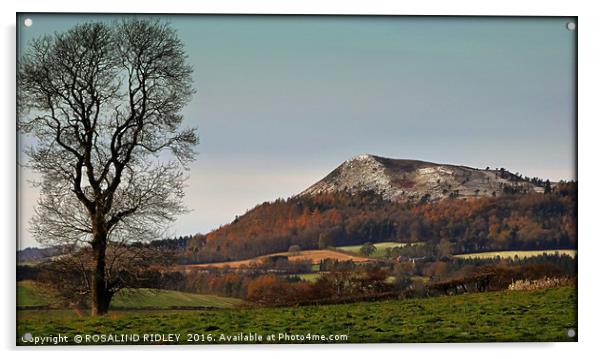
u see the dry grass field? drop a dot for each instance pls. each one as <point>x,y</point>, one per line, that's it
<point>315,256</point>
<point>520,254</point>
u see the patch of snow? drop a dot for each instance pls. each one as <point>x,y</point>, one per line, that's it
<point>366,173</point>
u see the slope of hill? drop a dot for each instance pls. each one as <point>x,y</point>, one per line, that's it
<point>376,199</point>
<point>33,255</point>
<point>413,180</point>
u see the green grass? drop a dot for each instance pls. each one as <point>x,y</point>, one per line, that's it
<point>155,298</point>
<point>520,254</point>
<point>380,248</point>
<point>542,315</point>
<point>311,277</point>
<point>30,296</point>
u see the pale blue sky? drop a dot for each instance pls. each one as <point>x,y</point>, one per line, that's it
<point>281,101</point>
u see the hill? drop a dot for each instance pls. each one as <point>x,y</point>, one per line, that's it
<point>32,255</point>
<point>376,199</point>
<point>411,180</point>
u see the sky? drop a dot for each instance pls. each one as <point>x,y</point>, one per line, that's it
<point>283,100</point>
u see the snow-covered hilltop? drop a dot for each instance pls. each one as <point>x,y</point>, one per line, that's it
<point>403,180</point>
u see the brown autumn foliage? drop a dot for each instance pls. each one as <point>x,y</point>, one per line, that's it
<point>272,290</point>
<point>509,222</point>
<point>332,286</point>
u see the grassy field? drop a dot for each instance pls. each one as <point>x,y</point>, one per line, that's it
<point>520,254</point>
<point>154,298</point>
<point>542,315</point>
<point>30,296</point>
<point>311,277</point>
<point>380,248</point>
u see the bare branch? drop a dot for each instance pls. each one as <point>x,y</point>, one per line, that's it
<point>103,103</point>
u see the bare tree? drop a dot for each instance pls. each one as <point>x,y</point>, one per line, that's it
<point>102,105</point>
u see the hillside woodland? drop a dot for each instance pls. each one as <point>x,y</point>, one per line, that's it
<point>510,221</point>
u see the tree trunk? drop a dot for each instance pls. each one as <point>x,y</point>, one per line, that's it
<point>101,296</point>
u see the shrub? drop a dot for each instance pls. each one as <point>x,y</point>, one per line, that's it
<point>542,283</point>
<point>294,249</point>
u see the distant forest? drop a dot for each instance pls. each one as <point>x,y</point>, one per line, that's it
<point>507,222</point>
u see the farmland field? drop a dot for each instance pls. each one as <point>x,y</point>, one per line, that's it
<point>380,248</point>
<point>29,296</point>
<point>311,277</point>
<point>315,256</point>
<point>520,254</point>
<point>540,315</point>
<point>155,298</point>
